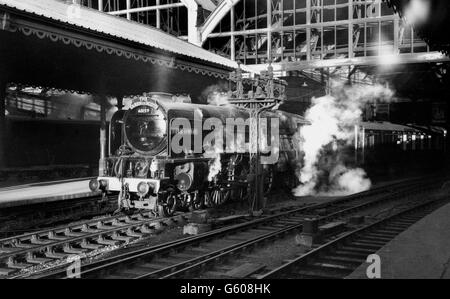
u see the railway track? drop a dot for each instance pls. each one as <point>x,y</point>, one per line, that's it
<point>50,245</point>
<point>182,257</point>
<point>21,219</point>
<point>340,257</point>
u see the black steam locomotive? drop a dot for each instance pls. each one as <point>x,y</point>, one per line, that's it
<point>149,170</point>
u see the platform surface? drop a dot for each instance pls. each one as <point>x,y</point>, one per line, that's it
<point>44,192</point>
<point>422,251</point>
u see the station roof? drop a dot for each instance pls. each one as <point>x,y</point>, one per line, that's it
<point>115,26</point>
<point>52,44</point>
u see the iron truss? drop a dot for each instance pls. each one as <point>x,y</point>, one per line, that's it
<point>295,35</point>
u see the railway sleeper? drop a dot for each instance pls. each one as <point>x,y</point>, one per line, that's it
<point>237,238</point>
<point>20,265</point>
<point>389,231</point>
<point>50,253</point>
<point>345,260</point>
<point>318,273</point>
<point>144,269</point>
<point>401,226</point>
<point>174,260</point>
<point>25,245</point>
<point>352,254</point>
<point>159,264</point>
<point>369,240</point>
<point>103,241</point>
<point>131,233</point>
<point>377,238</point>
<point>365,245</point>
<point>72,250</point>
<point>184,255</point>
<point>87,245</point>
<point>333,266</point>
<point>198,250</point>
<point>389,234</point>
<point>89,230</point>
<point>69,233</point>
<point>116,236</point>
<point>32,259</point>
<point>102,226</point>
<point>368,244</point>
<point>9,249</point>
<point>54,236</point>
<point>145,229</point>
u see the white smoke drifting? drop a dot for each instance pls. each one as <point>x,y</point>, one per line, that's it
<point>218,99</point>
<point>215,95</point>
<point>214,168</point>
<point>333,118</point>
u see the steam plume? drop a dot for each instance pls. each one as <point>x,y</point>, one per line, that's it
<point>332,119</point>
<point>215,95</point>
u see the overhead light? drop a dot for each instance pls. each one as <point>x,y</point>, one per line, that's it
<point>304,84</point>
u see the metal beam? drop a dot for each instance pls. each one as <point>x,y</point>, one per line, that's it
<point>430,57</point>
<point>215,17</point>
<point>147,8</point>
<point>308,26</point>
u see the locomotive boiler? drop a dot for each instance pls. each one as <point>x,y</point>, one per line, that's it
<point>166,154</point>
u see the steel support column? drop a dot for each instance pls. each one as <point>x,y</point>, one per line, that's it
<point>2,122</point>
<point>158,15</point>
<point>233,38</point>
<point>128,9</point>
<point>350,29</point>
<point>308,30</point>
<point>102,101</point>
<point>269,31</point>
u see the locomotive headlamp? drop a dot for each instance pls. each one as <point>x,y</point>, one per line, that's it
<point>94,185</point>
<point>143,188</point>
<point>184,181</point>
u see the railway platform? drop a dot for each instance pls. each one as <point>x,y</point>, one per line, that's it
<point>421,252</point>
<point>39,193</point>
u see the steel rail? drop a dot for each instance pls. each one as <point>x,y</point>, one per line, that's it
<point>190,241</point>
<point>289,268</point>
<point>176,271</point>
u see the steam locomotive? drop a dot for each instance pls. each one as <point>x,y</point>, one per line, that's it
<point>149,172</point>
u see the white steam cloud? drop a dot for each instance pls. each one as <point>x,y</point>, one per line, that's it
<point>333,118</point>
<point>218,99</point>
<point>214,167</point>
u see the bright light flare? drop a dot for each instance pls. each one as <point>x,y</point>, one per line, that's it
<point>417,11</point>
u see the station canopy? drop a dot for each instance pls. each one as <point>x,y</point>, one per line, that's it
<point>52,44</point>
